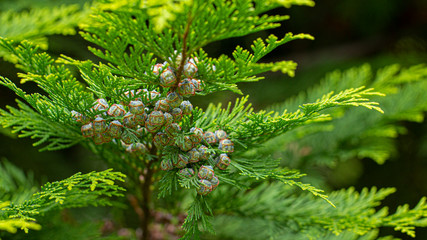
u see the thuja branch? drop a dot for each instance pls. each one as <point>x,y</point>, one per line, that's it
<point>184,50</point>
<point>145,123</point>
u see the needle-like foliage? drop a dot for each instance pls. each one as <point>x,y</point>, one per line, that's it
<point>278,213</point>
<point>80,190</point>
<point>222,166</point>
<point>39,22</point>
<point>371,138</point>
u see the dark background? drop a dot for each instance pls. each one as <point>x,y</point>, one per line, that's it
<point>348,33</point>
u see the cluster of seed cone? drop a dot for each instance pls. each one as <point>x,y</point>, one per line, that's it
<point>200,155</point>
<point>118,121</point>
<point>147,112</point>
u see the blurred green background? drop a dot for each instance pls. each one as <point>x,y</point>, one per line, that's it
<point>347,33</point>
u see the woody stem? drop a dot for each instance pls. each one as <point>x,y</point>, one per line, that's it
<point>146,200</point>
<point>146,189</point>
<point>183,52</point>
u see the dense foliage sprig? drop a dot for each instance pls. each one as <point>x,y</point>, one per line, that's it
<point>133,109</point>
<point>79,190</point>
<point>36,24</point>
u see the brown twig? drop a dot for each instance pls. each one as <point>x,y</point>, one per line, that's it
<point>146,195</point>
<point>146,200</point>
<point>183,52</point>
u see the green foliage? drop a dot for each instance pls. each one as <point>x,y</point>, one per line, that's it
<point>15,185</point>
<point>274,211</point>
<point>131,51</point>
<point>257,198</point>
<point>75,191</point>
<point>46,117</point>
<point>20,5</point>
<point>37,23</point>
<point>77,225</point>
<point>197,215</point>
<point>12,225</point>
<point>374,136</point>
<point>254,128</point>
<point>28,122</point>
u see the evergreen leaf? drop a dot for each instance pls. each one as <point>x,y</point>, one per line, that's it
<point>279,213</point>
<point>12,225</point>
<point>37,23</point>
<point>75,191</point>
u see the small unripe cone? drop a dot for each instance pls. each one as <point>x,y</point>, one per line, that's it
<point>137,148</point>
<point>130,94</point>
<point>156,118</point>
<point>78,117</point>
<point>186,144</point>
<point>215,182</point>
<point>177,114</point>
<point>188,172</point>
<point>196,135</point>
<point>161,140</point>
<point>205,187</point>
<point>182,161</point>
<point>136,107</point>
<point>140,118</point>
<point>127,137</point>
<point>157,68</point>
<point>87,130</point>
<point>193,155</point>
<point>115,129</point>
<point>99,125</point>
<point>129,120</point>
<point>226,145</point>
<point>153,95</point>
<point>206,172</point>
<point>100,105</point>
<point>178,58</point>
<point>173,130</point>
<point>162,105</point>
<point>209,137</point>
<point>167,78</point>
<point>166,165</point>
<point>141,131</point>
<point>220,134</point>
<point>152,128</point>
<point>174,99</point>
<point>204,154</point>
<point>106,138</point>
<point>168,119</point>
<point>139,93</point>
<point>98,138</point>
<point>186,88</point>
<point>197,84</point>
<point>190,69</point>
<point>223,161</point>
<point>116,110</point>
<point>186,107</point>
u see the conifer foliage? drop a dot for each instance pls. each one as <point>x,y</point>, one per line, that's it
<point>134,110</point>
<point>34,21</point>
